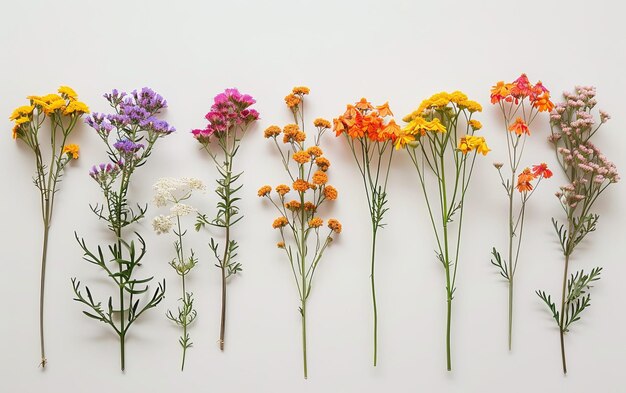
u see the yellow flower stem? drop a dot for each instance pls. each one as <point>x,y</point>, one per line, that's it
<point>446,257</point>
<point>47,188</point>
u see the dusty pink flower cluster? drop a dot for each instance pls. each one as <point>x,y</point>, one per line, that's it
<point>573,124</point>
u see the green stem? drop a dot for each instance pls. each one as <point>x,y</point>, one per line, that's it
<point>305,290</point>
<point>226,257</point>
<point>374,296</point>
<point>44,256</point>
<point>181,261</point>
<point>511,269</point>
<point>444,216</point>
<point>563,303</point>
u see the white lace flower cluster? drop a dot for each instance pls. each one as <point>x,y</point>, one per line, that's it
<point>173,191</point>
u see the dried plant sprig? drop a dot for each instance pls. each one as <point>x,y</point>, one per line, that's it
<point>589,173</point>
<point>299,224</point>
<point>434,129</point>
<point>174,192</point>
<point>520,102</point>
<point>129,135</point>
<point>228,120</point>
<point>63,110</point>
<point>370,138</point>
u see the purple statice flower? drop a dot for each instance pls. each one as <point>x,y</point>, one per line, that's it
<point>127,147</point>
<point>149,100</point>
<point>115,97</point>
<point>100,123</point>
<point>154,125</point>
<point>104,172</point>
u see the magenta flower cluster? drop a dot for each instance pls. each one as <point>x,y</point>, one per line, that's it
<point>230,109</point>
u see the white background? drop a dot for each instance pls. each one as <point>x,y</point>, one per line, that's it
<point>393,50</point>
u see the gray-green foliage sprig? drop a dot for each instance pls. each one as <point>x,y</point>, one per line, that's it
<point>589,173</point>
<point>135,129</point>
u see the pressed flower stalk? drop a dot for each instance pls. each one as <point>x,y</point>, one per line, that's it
<point>300,227</point>
<point>63,111</point>
<point>589,173</point>
<point>129,135</point>
<point>520,102</point>
<point>229,119</point>
<point>370,137</point>
<point>440,135</point>
<point>174,192</point>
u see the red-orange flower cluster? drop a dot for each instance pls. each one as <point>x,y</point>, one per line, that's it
<point>527,176</point>
<point>362,120</point>
<point>521,88</point>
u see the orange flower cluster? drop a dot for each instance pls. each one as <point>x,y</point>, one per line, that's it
<point>521,88</point>
<point>519,127</point>
<point>308,179</point>
<point>295,98</point>
<point>363,120</point>
<point>527,176</point>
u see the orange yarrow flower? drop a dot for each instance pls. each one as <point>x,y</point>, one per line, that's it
<point>330,193</point>
<point>271,131</point>
<point>263,191</point>
<point>320,177</point>
<point>322,163</point>
<point>300,185</point>
<point>280,222</point>
<point>301,157</point>
<point>316,222</point>
<point>282,189</point>
<point>334,225</point>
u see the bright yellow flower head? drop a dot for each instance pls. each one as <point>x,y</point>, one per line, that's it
<point>71,150</point>
<point>21,111</point>
<point>76,107</point>
<point>475,124</point>
<point>403,139</point>
<point>457,97</point>
<point>471,106</point>
<point>470,142</point>
<point>48,103</point>
<point>68,93</point>
<point>435,125</point>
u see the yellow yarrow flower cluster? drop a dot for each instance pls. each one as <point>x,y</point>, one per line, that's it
<point>419,125</point>
<point>66,101</point>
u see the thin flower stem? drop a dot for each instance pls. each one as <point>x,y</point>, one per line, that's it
<point>563,302</point>
<point>44,255</point>
<point>511,273</point>
<point>305,289</point>
<point>374,230</point>
<point>446,259</point>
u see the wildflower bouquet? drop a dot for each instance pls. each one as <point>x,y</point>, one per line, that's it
<point>434,129</point>
<point>299,225</point>
<point>174,192</point>
<point>520,102</point>
<point>63,110</point>
<point>369,137</point>
<point>229,118</point>
<point>134,129</point>
<point>589,173</point>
